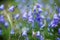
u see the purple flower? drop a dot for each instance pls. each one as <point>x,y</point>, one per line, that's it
<point>6,24</point>
<point>53,24</point>
<point>40,10</point>
<point>11,9</point>
<point>24,1</point>
<point>55,18</point>
<point>17,16</point>
<point>58,9</point>
<point>59,17</point>
<point>38,5</point>
<point>2,7</point>
<point>30,18</point>
<point>42,25</point>
<point>34,10</point>
<point>55,21</point>
<point>1,32</point>
<point>41,37</point>
<point>40,17</point>
<point>59,31</point>
<point>24,15</point>
<point>38,34</point>
<point>26,38</point>
<point>48,19</point>
<point>24,33</point>
<point>2,20</point>
<point>58,39</point>
<point>12,32</point>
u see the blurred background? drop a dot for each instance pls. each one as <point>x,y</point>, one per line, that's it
<point>29,19</point>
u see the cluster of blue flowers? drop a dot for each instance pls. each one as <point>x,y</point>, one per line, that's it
<point>32,16</point>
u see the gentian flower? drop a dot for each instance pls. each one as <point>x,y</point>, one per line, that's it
<point>55,18</point>
<point>58,38</point>
<point>55,21</point>
<point>1,32</point>
<point>41,37</point>
<point>11,9</point>
<point>26,38</point>
<point>59,31</point>
<point>38,34</point>
<point>42,25</point>
<point>30,17</point>
<point>38,6</point>
<point>12,32</point>
<point>24,33</point>
<point>40,10</point>
<point>2,7</point>
<point>6,24</point>
<point>52,24</point>
<point>58,9</point>
<point>2,20</point>
<point>24,15</point>
<point>48,19</point>
<point>59,17</point>
<point>17,16</point>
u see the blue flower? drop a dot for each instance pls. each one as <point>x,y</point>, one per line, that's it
<point>24,15</point>
<point>30,18</point>
<point>59,31</point>
<point>42,25</point>
<point>24,33</point>
<point>11,9</point>
<point>12,32</point>
<point>24,1</point>
<point>58,39</point>
<point>2,20</point>
<point>55,18</point>
<point>48,19</point>
<point>17,16</point>
<point>53,24</point>
<point>59,15</point>
<point>38,34</point>
<point>58,9</point>
<point>55,21</point>
<point>2,7</point>
<point>39,17</point>
<point>34,11</point>
<point>6,24</point>
<point>38,5</point>
<point>40,10</point>
<point>41,37</point>
<point>26,38</point>
<point>1,32</point>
